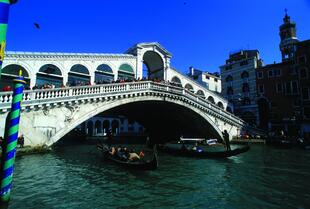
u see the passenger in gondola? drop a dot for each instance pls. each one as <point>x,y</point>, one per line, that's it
<point>113,151</point>
<point>133,156</point>
<point>122,153</point>
<point>141,154</point>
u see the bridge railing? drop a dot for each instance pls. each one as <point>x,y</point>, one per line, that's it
<point>46,96</point>
<point>196,98</point>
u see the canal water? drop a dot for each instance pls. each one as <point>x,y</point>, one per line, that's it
<point>75,177</point>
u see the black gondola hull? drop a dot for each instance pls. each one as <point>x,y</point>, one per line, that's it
<point>206,154</point>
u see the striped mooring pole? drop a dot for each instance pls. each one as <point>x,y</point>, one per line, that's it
<point>4,17</point>
<point>10,140</point>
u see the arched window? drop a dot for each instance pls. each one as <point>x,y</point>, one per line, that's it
<point>176,81</point>
<point>104,74</point>
<point>10,72</point>
<point>246,101</point>
<point>230,90</point>
<point>211,99</point>
<point>78,75</point>
<point>126,72</point>
<point>49,74</point>
<point>244,74</point>
<point>228,109</point>
<point>90,128</point>
<point>189,87</point>
<point>50,69</point>
<point>245,87</point>
<point>115,127</point>
<point>220,104</point>
<point>229,78</point>
<point>106,126</point>
<point>98,127</point>
<point>201,94</point>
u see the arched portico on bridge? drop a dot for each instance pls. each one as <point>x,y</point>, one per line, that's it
<point>49,74</point>
<point>125,72</point>
<point>10,72</point>
<point>104,74</point>
<point>78,75</point>
<point>154,56</point>
<point>155,65</point>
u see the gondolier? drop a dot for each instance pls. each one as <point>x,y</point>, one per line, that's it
<point>226,138</point>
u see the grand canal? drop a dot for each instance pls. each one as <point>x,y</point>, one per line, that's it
<point>75,177</point>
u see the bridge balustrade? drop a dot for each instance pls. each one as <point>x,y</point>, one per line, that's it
<point>46,96</point>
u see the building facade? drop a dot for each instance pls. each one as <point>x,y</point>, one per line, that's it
<point>278,96</point>
<point>239,83</point>
<point>283,89</point>
<point>211,81</point>
<point>303,68</point>
<point>100,126</point>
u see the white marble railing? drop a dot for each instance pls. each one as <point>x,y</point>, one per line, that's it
<point>49,96</point>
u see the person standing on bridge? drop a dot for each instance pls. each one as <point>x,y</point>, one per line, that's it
<point>226,139</point>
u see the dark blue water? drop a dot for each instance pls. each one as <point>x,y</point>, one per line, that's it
<point>75,177</point>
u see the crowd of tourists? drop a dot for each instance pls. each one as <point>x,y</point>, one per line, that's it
<point>88,83</point>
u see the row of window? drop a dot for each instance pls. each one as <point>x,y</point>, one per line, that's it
<point>208,78</point>
<point>243,101</point>
<point>287,88</point>
<point>242,63</point>
<point>303,72</point>
<point>245,88</point>
<point>243,75</point>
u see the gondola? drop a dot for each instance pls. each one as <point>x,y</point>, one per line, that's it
<point>136,165</point>
<point>206,154</point>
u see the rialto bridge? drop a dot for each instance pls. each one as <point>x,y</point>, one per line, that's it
<point>171,107</point>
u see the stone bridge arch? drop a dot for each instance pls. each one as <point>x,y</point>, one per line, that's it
<point>47,115</point>
<point>89,110</point>
<point>47,124</point>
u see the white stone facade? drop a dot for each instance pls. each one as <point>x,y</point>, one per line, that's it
<point>33,61</point>
<point>213,82</point>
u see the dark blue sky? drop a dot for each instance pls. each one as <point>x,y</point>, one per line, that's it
<point>200,33</point>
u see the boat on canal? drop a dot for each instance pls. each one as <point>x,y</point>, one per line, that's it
<point>202,148</point>
<point>140,164</point>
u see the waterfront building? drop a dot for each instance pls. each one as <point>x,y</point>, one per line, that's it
<point>303,68</point>
<point>283,89</point>
<point>118,125</point>
<point>239,83</point>
<point>211,81</point>
<point>278,95</point>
